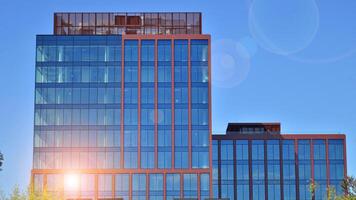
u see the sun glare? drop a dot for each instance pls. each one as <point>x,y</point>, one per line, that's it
<point>71,181</point>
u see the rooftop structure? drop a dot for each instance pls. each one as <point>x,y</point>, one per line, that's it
<point>157,23</point>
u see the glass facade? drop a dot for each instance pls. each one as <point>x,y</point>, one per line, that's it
<point>258,169</point>
<point>289,168</point>
<point>242,170</point>
<point>336,155</point>
<point>276,166</point>
<point>129,115</point>
<point>304,168</point>
<point>163,23</point>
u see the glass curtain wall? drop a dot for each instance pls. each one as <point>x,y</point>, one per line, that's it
<point>258,171</point>
<point>289,178</point>
<point>147,104</point>
<point>227,169</point>
<point>199,103</point>
<point>181,103</point>
<point>131,104</point>
<point>336,160</point>
<point>320,176</point>
<point>273,170</point>
<point>304,169</point>
<point>242,170</point>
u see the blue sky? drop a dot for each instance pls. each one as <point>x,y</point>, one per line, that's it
<point>276,60</point>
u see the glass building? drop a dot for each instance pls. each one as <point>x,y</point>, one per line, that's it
<point>123,111</point>
<point>255,161</point>
<point>123,107</point>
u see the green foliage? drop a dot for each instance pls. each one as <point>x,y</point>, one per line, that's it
<point>312,188</point>
<point>331,193</point>
<point>17,194</point>
<point>348,186</point>
<point>29,194</point>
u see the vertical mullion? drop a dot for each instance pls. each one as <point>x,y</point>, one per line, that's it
<point>198,186</point>
<point>312,164</point>
<point>164,185</point>
<point>122,102</point>
<point>44,184</point>
<point>139,105</point>
<point>181,185</point>
<point>219,169</point>
<point>210,121</point>
<point>147,185</point>
<point>172,100</point>
<point>327,162</point>
<point>130,185</point>
<point>344,158</point>
<point>189,108</point>
<point>281,168</point>
<point>96,193</point>
<point>250,168</point>
<point>296,167</point>
<point>265,167</point>
<point>312,158</point>
<point>235,170</point>
<point>156,104</point>
<point>113,186</point>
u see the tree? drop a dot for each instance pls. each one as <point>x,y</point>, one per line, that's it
<point>348,186</point>
<point>330,193</point>
<point>17,194</point>
<point>312,188</point>
<point>29,194</point>
<point>1,160</point>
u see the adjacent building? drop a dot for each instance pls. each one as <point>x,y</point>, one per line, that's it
<point>256,161</point>
<point>123,107</point>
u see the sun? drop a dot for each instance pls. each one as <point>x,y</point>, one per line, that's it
<point>71,182</point>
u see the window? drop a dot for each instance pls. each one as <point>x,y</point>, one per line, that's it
<point>147,148</point>
<point>258,173</point>
<point>199,61</point>
<point>122,186</point>
<point>336,160</point>
<point>104,185</point>
<point>215,152</point>
<point>200,148</point>
<point>304,168</point>
<point>164,148</point>
<point>242,169</point>
<point>289,169</point>
<point>138,186</point>
<point>87,187</point>
<point>156,186</point>
<point>172,186</point>
<point>273,169</point>
<point>147,60</point>
<point>130,149</point>
<point>131,59</point>
<point>190,186</point>
<point>204,186</point>
<point>319,156</point>
<point>164,61</point>
<point>181,148</point>
<point>227,169</point>
<point>180,60</point>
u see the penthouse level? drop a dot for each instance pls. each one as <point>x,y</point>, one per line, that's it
<point>121,23</point>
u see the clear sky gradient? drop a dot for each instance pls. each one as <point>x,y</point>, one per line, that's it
<point>292,62</point>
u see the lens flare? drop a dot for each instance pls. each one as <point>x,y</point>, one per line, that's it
<point>71,182</point>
